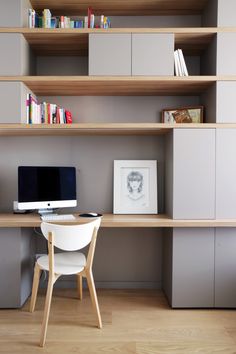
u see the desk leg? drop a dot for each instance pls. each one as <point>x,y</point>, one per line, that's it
<point>16,266</point>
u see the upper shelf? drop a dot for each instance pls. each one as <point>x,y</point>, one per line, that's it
<point>62,41</point>
<point>116,85</point>
<point>122,7</point>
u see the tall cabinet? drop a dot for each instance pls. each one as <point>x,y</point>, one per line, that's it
<point>116,82</point>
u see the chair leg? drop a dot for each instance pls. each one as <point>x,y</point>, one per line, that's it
<point>46,311</point>
<point>37,272</point>
<point>80,286</point>
<point>92,291</point>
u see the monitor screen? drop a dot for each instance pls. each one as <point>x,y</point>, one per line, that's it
<point>46,184</point>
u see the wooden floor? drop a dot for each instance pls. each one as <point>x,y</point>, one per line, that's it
<point>133,322</point>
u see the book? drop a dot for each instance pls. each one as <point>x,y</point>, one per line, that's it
<point>182,62</point>
<point>180,65</point>
<point>177,63</point>
<point>68,117</point>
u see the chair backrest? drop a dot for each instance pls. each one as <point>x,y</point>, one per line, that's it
<point>71,237</point>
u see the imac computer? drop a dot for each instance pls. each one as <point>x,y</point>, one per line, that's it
<point>46,188</point>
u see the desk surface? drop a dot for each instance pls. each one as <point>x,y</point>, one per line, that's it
<point>110,220</point>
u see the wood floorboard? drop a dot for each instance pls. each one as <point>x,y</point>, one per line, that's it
<point>134,322</point>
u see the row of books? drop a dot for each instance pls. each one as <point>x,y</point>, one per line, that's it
<point>49,21</point>
<point>45,113</point>
<point>180,65</point>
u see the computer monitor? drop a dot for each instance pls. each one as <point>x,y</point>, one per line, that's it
<point>46,188</point>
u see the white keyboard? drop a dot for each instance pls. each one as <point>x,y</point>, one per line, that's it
<point>57,217</point>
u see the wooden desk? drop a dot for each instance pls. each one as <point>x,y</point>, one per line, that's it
<point>110,220</point>
<point>180,239</point>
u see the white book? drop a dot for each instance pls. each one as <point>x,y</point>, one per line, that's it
<point>30,22</point>
<point>182,62</point>
<point>177,64</point>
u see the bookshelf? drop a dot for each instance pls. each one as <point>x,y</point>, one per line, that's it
<point>185,153</point>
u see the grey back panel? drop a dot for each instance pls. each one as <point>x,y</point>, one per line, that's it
<point>193,267</point>
<point>152,54</point>
<point>225,173</point>
<point>226,13</point>
<point>225,267</point>
<point>194,174</point>
<point>110,54</point>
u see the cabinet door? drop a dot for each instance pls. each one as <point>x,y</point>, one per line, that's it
<point>152,54</point>
<point>193,267</point>
<point>225,267</point>
<point>194,174</point>
<point>110,54</point>
<point>225,173</point>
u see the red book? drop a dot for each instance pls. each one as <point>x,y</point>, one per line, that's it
<point>68,117</point>
<point>89,15</point>
<point>49,112</point>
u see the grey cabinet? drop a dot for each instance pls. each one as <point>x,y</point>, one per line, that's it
<point>189,267</point>
<point>225,173</point>
<point>152,54</point>
<point>226,53</point>
<point>226,13</point>
<point>16,266</point>
<point>110,54</point>
<point>15,54</point>
<point>225,267</point>
<point>194,174</point>
<point>225,99</point>
<point>13,97</point>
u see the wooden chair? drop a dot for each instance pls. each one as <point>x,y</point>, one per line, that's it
<point>67,238</point>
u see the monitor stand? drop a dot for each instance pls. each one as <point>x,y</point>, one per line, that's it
<point>46,212</point>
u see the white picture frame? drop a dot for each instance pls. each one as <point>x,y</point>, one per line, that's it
<point>135,187</point>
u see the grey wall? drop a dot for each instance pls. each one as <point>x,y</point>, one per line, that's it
<point>118,108</point>
<point>93,158</point>
<point>155,21</point>
<point>209,18</point>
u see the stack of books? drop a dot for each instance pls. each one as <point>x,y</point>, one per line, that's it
<point>45,113</point>
<point>180,65</point>
<point>46,20</point>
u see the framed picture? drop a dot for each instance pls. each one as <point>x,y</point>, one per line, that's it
<point>183,115</point>
<point>135,187</point>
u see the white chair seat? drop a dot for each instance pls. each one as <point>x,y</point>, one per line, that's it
<point>64,263</point>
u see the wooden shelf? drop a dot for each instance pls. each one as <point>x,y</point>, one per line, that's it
<point>115,85</point>
<point>122,7</point>
<point>110,220</point>
<point>75,41</point>
<point>94,129</point>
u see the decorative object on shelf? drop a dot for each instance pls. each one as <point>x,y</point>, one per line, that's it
<point>183,115</point>
<point>180,65</point>
<point>135,187</point>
